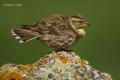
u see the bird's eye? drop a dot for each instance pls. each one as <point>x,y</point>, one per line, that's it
<point>80,21</point>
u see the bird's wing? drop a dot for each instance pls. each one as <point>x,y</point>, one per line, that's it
<point>38,27</point>
<point>59,42</point>
<point>56,24</point>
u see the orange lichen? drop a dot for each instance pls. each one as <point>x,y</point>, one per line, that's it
<point>7,75</point>
<point>82,62</point>
<point>63,59</point>
<point>26,67</point>
<point>40,61</point>
<point>29,74</point>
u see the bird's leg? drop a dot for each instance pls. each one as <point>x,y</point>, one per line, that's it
<point>66,50</point>
<point>69,50</point>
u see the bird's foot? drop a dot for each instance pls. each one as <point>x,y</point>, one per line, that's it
<point>59,50</point>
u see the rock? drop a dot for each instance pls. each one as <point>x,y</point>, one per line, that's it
<point>60,65</point>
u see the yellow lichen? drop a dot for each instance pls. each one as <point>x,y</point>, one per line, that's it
<point>54,55</point>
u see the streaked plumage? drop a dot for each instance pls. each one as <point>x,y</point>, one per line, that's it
<point>57,31</point>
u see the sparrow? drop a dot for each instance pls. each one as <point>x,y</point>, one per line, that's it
<point>57,31</point>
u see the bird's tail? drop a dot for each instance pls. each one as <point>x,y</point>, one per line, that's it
<point>24,35</point>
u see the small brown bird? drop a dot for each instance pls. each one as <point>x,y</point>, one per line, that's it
<point>57,31</point>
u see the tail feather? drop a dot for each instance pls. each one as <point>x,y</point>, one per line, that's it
<point>24,35</point>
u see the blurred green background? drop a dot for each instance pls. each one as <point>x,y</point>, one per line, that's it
<point>101,45</point>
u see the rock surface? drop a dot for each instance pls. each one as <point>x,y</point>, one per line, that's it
<point>54,66</point>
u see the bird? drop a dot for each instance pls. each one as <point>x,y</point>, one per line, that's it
<point>56,31</point>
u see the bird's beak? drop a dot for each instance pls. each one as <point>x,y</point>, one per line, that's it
<point>86,24</point>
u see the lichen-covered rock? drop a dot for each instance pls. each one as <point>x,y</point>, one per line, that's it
<point>54,66</point>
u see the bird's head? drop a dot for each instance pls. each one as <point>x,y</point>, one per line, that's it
<point>79,22</point>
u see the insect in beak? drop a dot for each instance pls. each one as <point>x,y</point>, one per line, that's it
<point>81,29</point>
